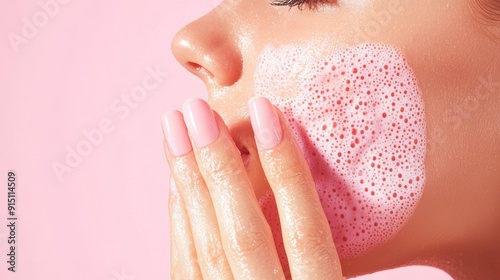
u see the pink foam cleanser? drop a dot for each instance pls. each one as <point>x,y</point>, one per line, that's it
<point>358,116</point>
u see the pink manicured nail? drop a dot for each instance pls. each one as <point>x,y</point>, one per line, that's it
<point>200,122</point>
<point>176,134</point>
<point>265,122</point>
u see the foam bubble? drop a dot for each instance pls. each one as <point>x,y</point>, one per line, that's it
<point>358,116</point>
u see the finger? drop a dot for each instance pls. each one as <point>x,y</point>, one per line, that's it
<point>198,204</point>
<point>175,263</point>
<point>185,265</point>
<point>306,233</point>
<point>174,254</point>
<point>246,236</point>
<point>174,259</point>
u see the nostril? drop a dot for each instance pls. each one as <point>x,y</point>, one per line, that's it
<point>205,49</point>
<point>197,69</point>
<point>194,66</point>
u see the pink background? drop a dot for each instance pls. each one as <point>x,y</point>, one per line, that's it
<point>106,218</point>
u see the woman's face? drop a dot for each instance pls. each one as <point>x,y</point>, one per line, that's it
<point>250,47</point>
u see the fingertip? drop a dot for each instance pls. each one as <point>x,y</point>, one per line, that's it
<point>265,122</point>
<point>200,122</point>
<point>175,133</point>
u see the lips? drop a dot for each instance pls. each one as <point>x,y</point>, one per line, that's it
<point>358,116</point>
<point>241,134</point>
<point>245,155</point>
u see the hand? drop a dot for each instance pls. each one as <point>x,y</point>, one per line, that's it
<point>218,230</point>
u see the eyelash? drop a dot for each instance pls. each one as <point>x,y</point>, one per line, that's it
<point>311,4</point>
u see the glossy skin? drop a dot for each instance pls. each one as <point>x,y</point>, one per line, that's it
<point>456,61</point>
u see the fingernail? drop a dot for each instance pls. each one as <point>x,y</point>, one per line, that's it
<point>200,121</point>
<point>265,122</point>
<point>176,134</point>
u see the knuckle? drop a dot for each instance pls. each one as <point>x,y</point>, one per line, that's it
<point>183,272</point>
<point>249,242</point>
<point>220,169</point>
<point>220,160</point>
<point>187,172</point>
<point>291,180</point>
<point>310,242</point>
<point>213,256</point>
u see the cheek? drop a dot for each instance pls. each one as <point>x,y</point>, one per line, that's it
<point>358,116</point>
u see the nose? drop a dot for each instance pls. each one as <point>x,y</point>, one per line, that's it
<point>208,48</point>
